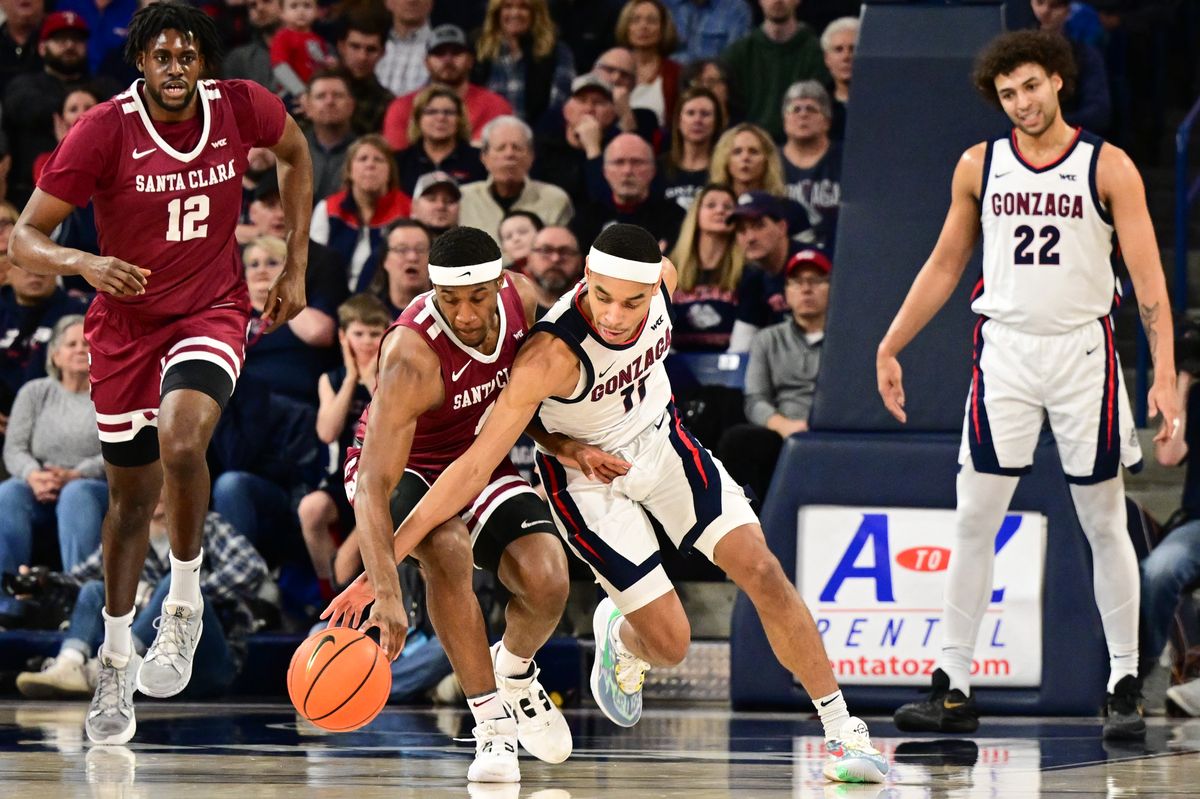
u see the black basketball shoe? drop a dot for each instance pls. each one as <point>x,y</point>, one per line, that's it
<point>1123,711</point>
<point>946,710</point>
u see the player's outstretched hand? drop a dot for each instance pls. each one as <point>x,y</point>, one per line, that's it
<point>114,276</point>
<point>594,462</point>
<point>285,300</point>
<point>346,609</point>
<point>389,615</point>
<point>891,386</point>
<point>1163,400</point>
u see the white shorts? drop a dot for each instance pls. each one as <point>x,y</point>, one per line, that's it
<point>1074,378</point>
<point>673,479</point>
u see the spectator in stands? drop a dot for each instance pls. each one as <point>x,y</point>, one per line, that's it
<point>449,61</point>
<point>74,105</point>
<point>402,68</point>
<point>440,140</point>
<point>404,271</point>
<point>521,58</point>
<point>699,120</point>
<point>812,164</point>
<point>437,200</point>
<point>1090,104</point>
<point>711,75</point>
<point>555,265</point>
<point>517,231</point>
<point>52,451</point>
<point>586,26</point>
<point>763,64</point>
<point>351,221</point>
<point>32,99</point>
<point>707,27</point>
<point>745,159</point>
<point>507,155</point>
<point>781,376</point>
<point>233,573</point>
<point>359,48</point>
<point>326,516</point>
<point>709,262</point>
<point>291,359</point>
<point>329,106</point>
<point>632,198</point>
<point>18,38</point>
<point>252,60</point>
<point>295,45</point>
<point>78,230</point>
<point>565,152</point>
<point>838,42</point>
<point>760,219</point>
<point>30,307</point>
<point>646,29</point>
<point>107,23</point>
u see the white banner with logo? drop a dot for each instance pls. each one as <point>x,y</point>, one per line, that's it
<point>874,580</point>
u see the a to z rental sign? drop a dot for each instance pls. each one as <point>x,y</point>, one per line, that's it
<point>874,579</point>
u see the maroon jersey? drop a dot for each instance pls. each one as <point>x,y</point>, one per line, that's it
<point>471,381</point>
<point>168,195</point>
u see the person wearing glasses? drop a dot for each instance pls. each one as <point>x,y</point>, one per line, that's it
<point>404,266</point>
<point>555,265</point>
<point>440,140</point>
<point>812,164</point>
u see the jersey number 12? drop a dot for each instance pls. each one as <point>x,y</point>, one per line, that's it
<point>184,217</point>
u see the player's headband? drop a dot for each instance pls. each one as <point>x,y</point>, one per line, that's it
<point>623,268</point>
<point>465,275</point>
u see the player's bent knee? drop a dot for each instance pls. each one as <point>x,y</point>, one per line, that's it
<point>446,554</point>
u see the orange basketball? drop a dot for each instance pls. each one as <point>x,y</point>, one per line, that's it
<point>339,679</point>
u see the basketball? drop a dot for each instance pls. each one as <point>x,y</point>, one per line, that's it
<point>339,679</point>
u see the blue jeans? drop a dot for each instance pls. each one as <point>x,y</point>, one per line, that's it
<point>213,669</point>
<point>77,516</point>
<point>1166,571</point>
<point>261,511</point>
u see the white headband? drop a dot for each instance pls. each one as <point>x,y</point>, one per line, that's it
<point>623,268</point>
<point>465,275</point>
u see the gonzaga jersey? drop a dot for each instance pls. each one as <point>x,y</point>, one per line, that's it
<point>622,388</point>
<point>471,380</point>
<point>168,195</point>
<point>1048,243</point>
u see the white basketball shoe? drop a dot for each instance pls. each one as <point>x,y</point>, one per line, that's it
<point>541,728</point>
<point>495,752</point>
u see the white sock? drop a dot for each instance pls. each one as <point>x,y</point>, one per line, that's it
<point>615,637</point>
<point>185,580</point>
<point>118,636</point>
<point>486,707</point>
<point>510,665</point>
<point>833,713</point>
<point>69,654</point>
<point>956,662</point>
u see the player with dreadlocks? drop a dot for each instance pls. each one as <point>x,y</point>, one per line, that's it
<point>162,164</point>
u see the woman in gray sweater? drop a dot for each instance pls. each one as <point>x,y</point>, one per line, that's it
<point>52,451</point>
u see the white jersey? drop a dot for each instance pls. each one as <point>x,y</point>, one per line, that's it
<point>622,388</point>
<point>1048,243</point>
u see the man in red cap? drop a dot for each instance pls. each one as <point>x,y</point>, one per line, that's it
<point>781,377</point>
<point>31,100</point>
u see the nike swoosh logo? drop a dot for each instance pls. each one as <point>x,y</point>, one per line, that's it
<point>328,639</point>
<point>142,154</point>
<point>1001,174</point>
<point>602,374</point>
<point>481,702</point>
<point>658,424</point>
<point>952,705</point>
<point>466,273</point>
<point>527,525</point>
<point>458,374</point>
<point>830,702</point>
<point>1093,349</point>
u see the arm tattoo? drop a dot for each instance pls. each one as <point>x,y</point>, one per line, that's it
<point>1149,320</point>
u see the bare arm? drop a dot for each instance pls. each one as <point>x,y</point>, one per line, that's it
<point>31,249</point>
<point>544,367</point>
<point>1120,187</point>
<point>315,328</point>
<point>294,168</point>
<point>1172,451</point>
<point>938,277</point>
<point>528,294</point>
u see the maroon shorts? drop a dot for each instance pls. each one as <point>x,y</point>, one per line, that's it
<point>130,354</point>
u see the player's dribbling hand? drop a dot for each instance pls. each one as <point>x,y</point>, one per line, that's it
<point>389,615</point>
<point>285,299</point>
<point>1163,400</point>
<point>346,609</point>
<point>114,276</point>
<point>891,386</point>
<point>594,462</point>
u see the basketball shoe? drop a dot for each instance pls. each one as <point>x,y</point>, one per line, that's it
<point>168,664</point>
<point>110,718</point>
<point>60,676</point>
<point>495,752</point>
<point>617,676</point>
<point>1123,709</point>
<point>851,756</point>
<point>541,728</point>
<point>946,710</point>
